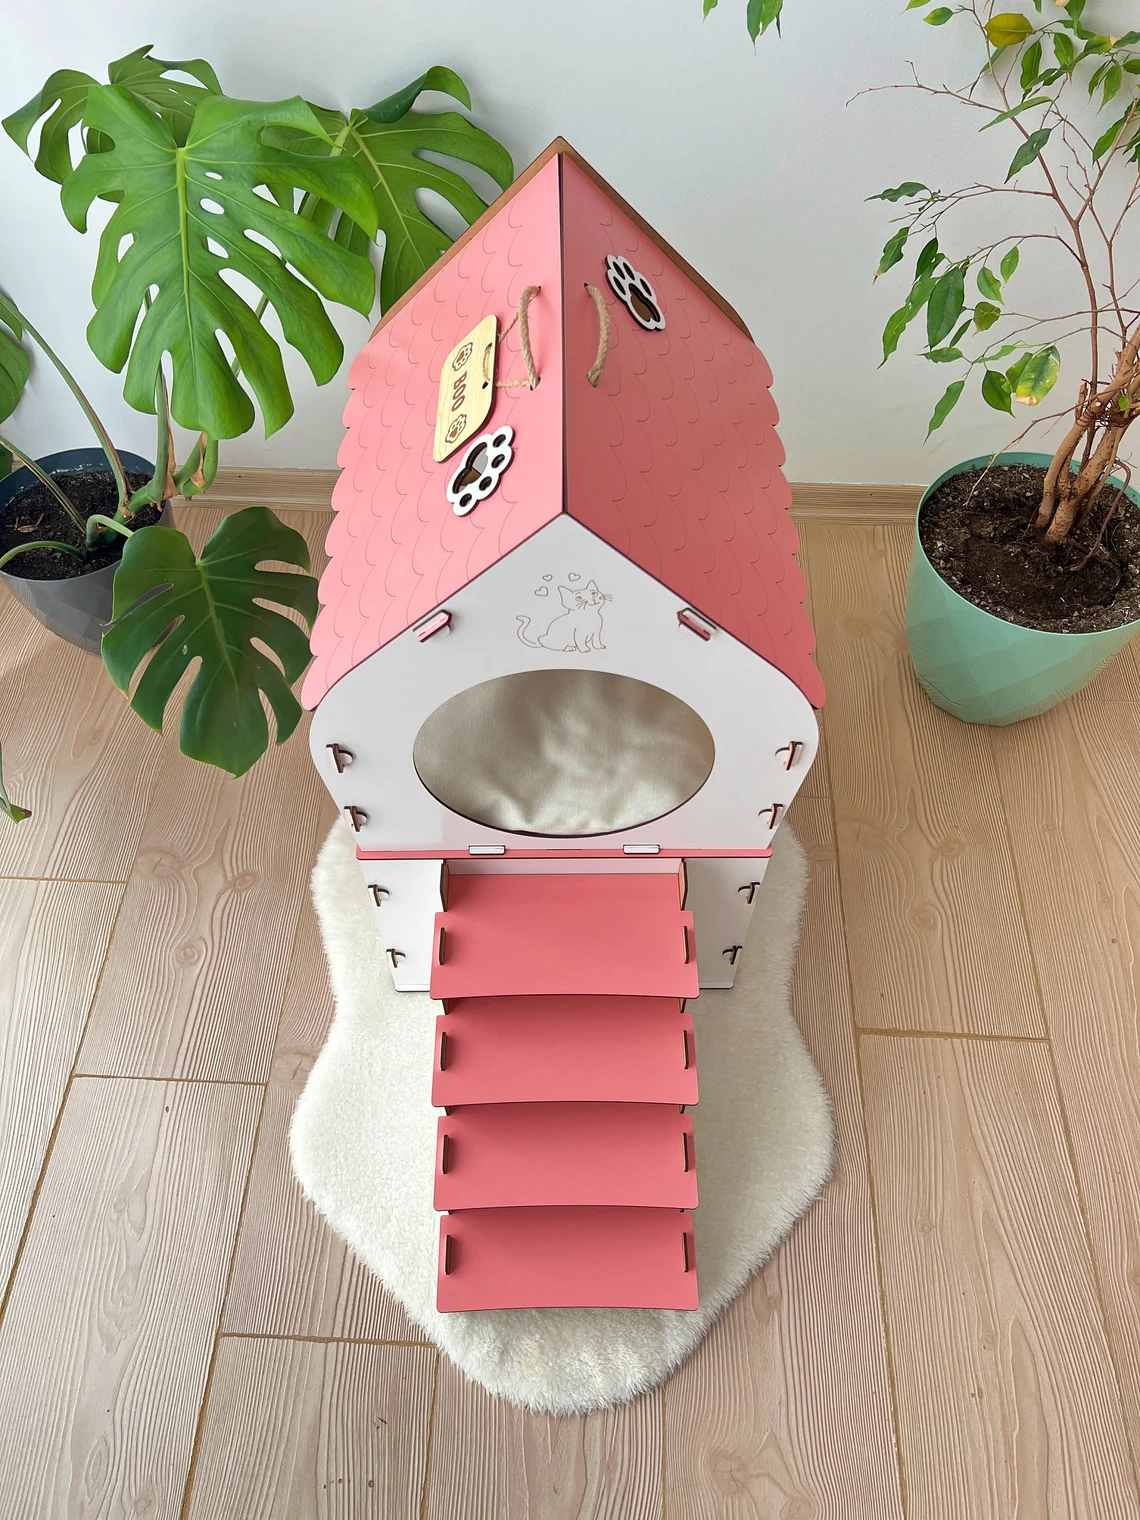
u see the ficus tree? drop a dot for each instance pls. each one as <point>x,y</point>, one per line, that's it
<point>1068,94</point>
<point>223,209</point>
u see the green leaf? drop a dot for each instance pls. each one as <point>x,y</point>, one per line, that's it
<point>944,355</point>
<point>893,251</point>
<point>1112,82</point>
<point>14,363</point>
<point>761,14</point>
<point>939,17</point>
<point>1025,105</point>
<point>710,5</point>
<point>1030,66</point>
<point>1009,263</point>
<point>945,406</point>
<point>928,260</point>
<point>898,321</point>
<point>389,154</point>
<point>1029,150</point>
<point>946,302</point>
<point>989,284</point>
<point>915,5</point>
<point>172,609</point>
<point>1013,373</point>
<point>900,192</point>
<point>996,391</point>
<point>16,814</point>
<point>1008,29</point>
<point>1109,136</point>
<point>393,107</point>
<point>1037,376</point>
<point>63,100</point>
<point>1065,50</point>
<point>985,315</point>
<point>165,193</point>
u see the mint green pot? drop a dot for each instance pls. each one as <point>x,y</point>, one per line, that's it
<point>981,668</point>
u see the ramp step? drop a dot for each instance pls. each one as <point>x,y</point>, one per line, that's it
<point>534,1258</point>
<point>509,1155</point>
<point>561,1049</point>
<point>569,935</point>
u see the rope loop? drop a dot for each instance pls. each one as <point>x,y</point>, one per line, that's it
<point>522,318</point>
<point>594,373</point>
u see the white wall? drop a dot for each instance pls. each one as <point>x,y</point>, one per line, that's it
<point>750,162</point>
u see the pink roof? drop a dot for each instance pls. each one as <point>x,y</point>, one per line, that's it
<point>673,459</point>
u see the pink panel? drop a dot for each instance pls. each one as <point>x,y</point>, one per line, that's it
<point>673,459</point>
<point>574,935</point>
<point>505,1155</point>
<point>396,547</point>
<point>557,1049</point>
<point>566,1258</point>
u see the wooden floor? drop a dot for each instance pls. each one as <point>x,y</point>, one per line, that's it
<point>952,1332</point>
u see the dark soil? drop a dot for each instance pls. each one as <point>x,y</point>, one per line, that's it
<point>977,530</point>
<point>37,515</point>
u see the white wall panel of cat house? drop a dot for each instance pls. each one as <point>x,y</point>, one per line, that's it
<point>724,832</point>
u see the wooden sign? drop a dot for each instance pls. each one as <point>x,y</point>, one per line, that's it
<point>466,388</point>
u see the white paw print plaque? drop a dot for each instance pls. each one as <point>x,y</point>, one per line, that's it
<point>635,293</point>
<point>480,471</point>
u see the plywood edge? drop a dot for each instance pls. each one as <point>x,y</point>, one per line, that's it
<point>290,490</point>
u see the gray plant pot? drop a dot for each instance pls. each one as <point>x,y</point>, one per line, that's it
<point>77,608</point>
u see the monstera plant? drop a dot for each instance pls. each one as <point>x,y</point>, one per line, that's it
<point>223,209</point>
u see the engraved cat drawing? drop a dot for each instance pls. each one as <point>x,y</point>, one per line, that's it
<point>578,629</point>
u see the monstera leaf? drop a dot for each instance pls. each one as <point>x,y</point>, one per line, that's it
<point>387,141</point>
<point>178,608</point>
<point>195,220</point>
<point>14,364</point>
<point>63,100</point>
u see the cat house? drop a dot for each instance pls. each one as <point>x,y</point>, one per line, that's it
<point>563,693</point>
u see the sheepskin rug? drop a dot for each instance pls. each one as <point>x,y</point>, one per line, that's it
<point>363,1147</point>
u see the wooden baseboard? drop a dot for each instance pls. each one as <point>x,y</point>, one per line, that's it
<point>812,501</point>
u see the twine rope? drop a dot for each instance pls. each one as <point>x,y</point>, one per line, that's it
<point>522,318</point>
<point>594,373</point>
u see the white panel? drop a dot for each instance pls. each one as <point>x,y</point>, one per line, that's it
<point>405,915</point>
<point>721,898</point>
<point>751,708</point>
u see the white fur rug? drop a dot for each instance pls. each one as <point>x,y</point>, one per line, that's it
<point>363,1145</point>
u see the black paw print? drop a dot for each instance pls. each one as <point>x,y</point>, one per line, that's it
<point>635,292</point>
<point>479,473</point>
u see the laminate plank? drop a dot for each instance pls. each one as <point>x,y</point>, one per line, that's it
<point>196,974</point>
<point>1007,1400</point>
<point>1068,780</point>
<point>53,937</point>
<point>493,1461</point>
<point>110,1326</point>
<point>786,1407</point>
<point>74,753</point>
<point>324,1432</point>
<point>936,937</point>
<point>292,1275</point>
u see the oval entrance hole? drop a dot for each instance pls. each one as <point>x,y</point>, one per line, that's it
<point>563,753</point>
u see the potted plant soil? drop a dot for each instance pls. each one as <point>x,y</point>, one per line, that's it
<point>1025,577</point>
<point>291,197</point>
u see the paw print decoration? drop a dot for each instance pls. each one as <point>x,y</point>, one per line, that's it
<point>635,292</point>
<point>480,470</point>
